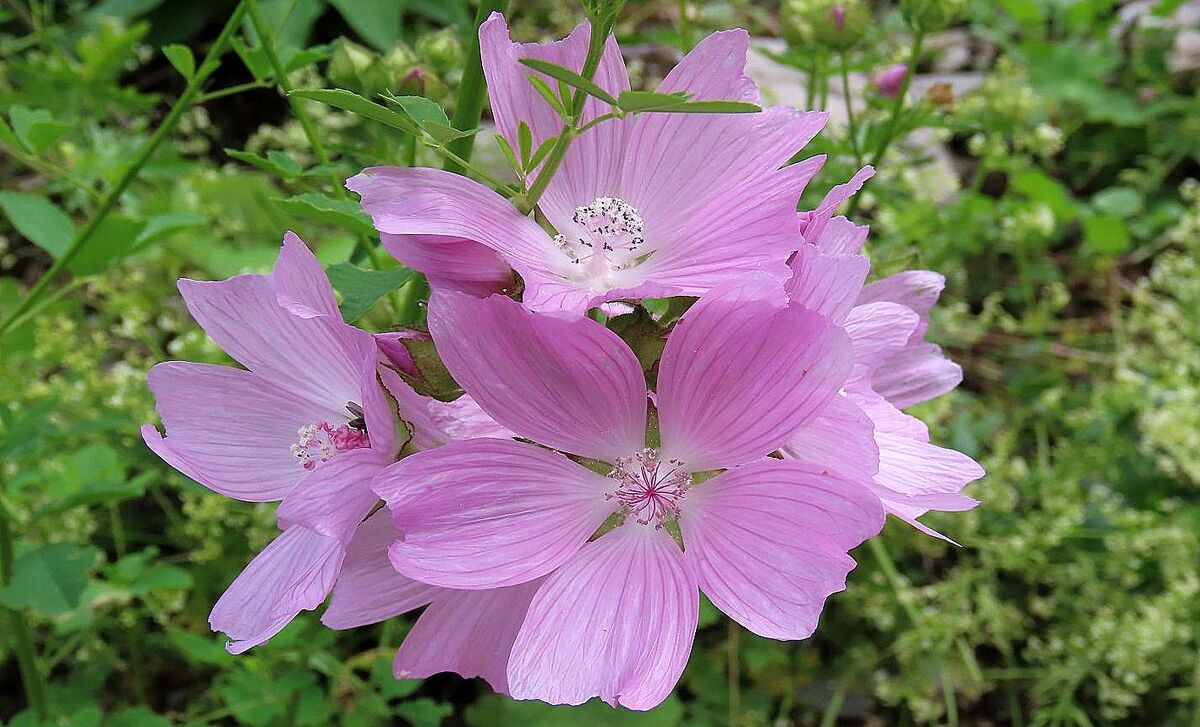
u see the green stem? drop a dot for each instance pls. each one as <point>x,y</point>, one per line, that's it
<point>468,107</point>
<point>898,106</point>
<point>850,128</point>
<point>834,708</point>
<point>529,200</point>
<point>685,27</point>
<point>31,677</point>
<point>230,91</point>
<point>879,550</point>
<point>51,169</point>
<point>266,37</point>
<point>733,665</point>
<point>139,160</point>
<point>810,93</point>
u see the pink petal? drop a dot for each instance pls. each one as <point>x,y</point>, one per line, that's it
<point>840,236</point>
<point>911,467</point>
<point>769,542</point>
<point>335,497</point>
<point>616,621</point>
<point>452,262</point>
<point>915,374</point>
<point>229,429</point>
<point>593,161</point>
<point>317,357</point>
<point>300,282</point>
<point>292,574</point>
<point>486,513</point>
<point>369,589</point>
<point>741,372</point>
<point>470,633</point>
<point>716,202</point>
<point>419,201</point>
<point>570,384</point>
<point>878,330</point>
<point>917,289</point>
<point>884,415</point>
<point>715,69</point>
<point>821,216</point>
<point>841,439</point>
<point>826,284</point>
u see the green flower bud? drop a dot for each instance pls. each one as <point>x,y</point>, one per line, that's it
<point>441,50</point>
<point>930,16</point>
<point>834,24</point>
<point>357,68</point>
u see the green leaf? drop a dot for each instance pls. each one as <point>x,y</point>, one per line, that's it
<point>163,226</point>
<point>360,289</point>
<point>201,649</point>
<point>36,128</point>
<point>276,162</point>
<point>352,102</point>
<point>139,716</point>
<point>181,58</point>
<point>709,107</point>
<point>494,710</point>
<point>39,220</point>
<point>92,475</point>
<point>635,101</point>
<point>1041,187</point>
<point>255,59</point>
<point>1105,235</point>
<point>507,150</point>
<point>1120,201</point>
<point>8,136</point>
<point>293,59</point>
<point>524,143</point>
<point>420,110</point>
<point>321,208</point>
<point>541,152</point>
<point>50,579</point>
<point>376,21</point>
<point>539,84</point>
<point>569,77</point>
<point>115,238</point>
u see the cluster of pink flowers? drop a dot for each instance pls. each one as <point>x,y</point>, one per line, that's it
<point>560,519</point>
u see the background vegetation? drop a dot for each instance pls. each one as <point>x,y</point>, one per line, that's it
<point>1058,197</point>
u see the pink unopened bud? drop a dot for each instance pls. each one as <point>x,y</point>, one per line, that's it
<point>890,79</point>
<point>839,17</point>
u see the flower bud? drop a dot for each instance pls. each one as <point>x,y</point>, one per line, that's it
<point>889,81</point>
<point>441,50</point>
<point>930,16</point>
<point>357,68</point>
<point>833,24</point>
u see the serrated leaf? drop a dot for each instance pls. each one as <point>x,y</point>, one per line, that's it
<point>50,579</point>
<point>541,152</point>
<point>38,219</point>
<point>181,58</point>
<point>36,128</point>
<point>360,289</point>
<point>420,110</point>
<point>569,77</point>
<point>507,150</point>
<point>321,208</point>
<point>352,102</point>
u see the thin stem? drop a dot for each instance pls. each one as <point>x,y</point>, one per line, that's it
<point>834,708</point>
<point>685,26</point>
<point>230,91</point>
<point>596,40</point>
<point>139,160</point>
<point>850,127</point>
<point>733,666</point>
<point>898,106</point>
<point>879,550</point>
<point>51,169</point>
<point>468,107</point>
<point>31,677</point>
<point>266,36</point>
<point>810,93</point>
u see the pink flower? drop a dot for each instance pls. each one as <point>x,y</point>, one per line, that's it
<point>864,435</point>
<point>648,206</point>
<point>766,539</point>
<point>889,80</point>
<point>306,422</point>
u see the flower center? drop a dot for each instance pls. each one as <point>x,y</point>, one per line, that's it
<point>648,488</point>
<point>321,441</point>
<point>607,236</point>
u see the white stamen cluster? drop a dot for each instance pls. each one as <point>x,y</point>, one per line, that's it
<point>609,225</point>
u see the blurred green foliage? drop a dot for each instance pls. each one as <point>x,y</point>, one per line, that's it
<point>1067,221</point>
